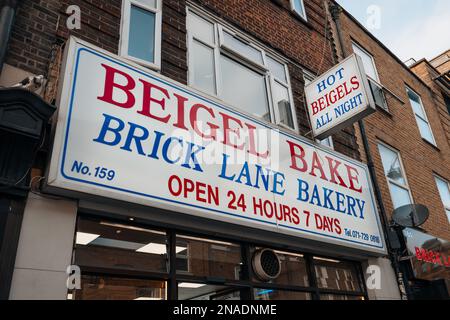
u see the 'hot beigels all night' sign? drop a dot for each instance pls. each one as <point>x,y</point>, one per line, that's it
<point>339,97</point>
<point>126,133</point>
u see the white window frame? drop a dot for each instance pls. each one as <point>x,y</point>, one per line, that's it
<point>446,206</point>
<point>298,13</point>
<point>389,180</point>
<point>420,117</point>
<point>222,49</point>
<point>125,31</point>
<point>376,81</point>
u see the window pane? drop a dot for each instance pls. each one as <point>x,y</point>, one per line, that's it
<point>337,275</point>
<point>281,100</point>
<point>400,196</point>
<point>273,294</point>
<point>110,288</point>
<point>339,297</point>
<point>378,95</point>
<point>148,3</point>
<point>141,40</point>
<point>298,7</point>
<point>200,28</point>
<point>391,164</point>
<point>444,191</point>
<point>103,244</point>
<point>208,258</point>
<point>242,48</point>
<point>277,69</point>
<point>200,291</point>
<point>244,88</point>
<point>293,269</point>
<point>328,142</point>
<point>425,130</point>
<point>368,62</point>
<point>203,62</point>
<point>415,103</point>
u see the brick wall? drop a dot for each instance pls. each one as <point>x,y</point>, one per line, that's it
<point>40,32</point>
<point>399,129</point>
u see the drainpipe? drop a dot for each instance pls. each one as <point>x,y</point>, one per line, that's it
<point>335,11</point>
<point>7,13</point>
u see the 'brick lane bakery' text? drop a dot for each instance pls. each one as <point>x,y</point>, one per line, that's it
<point>158,106</point>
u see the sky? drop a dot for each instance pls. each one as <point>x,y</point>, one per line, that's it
<point>409,28</point>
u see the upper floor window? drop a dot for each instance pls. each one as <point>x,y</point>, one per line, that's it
<point>374,80</point>
<point>395,175</point>
<point>444,191</point>
<point>421,117</point>
<point>231,67</point>
<point>299,7</point>
<point>141,32</point>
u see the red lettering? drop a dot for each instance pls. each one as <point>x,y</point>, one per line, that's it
<point>148,99</point>
<point>353,176</point>
<point>334,165</point>
<point>227,130</point>
<point>110,85</point>
<point>194,123</point>
<point>252,146</point>
<point>297,153</point>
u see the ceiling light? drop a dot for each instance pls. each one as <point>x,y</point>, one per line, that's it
<point>190,285</point>
<point>147,298</point>
<point>158,248</point>
<point>83,238</point>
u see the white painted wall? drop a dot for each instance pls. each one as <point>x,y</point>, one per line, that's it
<point>45,249</point>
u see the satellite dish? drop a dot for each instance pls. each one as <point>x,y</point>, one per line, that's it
<point>411,215</point>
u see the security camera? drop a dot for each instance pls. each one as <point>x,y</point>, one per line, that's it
<point>32,83</point>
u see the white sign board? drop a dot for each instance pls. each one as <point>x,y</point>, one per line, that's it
<point>126,133</point>
<point>339,97</point>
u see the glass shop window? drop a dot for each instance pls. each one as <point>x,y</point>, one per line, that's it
<point>99,287</point>
<point>208,258</point>
<point>113,246</point>
<point>275,294</point>
<point>228,65</point>
<point>337,275</point>
<point>293,269</point>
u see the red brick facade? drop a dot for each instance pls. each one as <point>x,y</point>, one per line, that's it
<point>40,29</point>
<point>398,129</point>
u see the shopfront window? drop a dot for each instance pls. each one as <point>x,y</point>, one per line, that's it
<point>196,291</point>
<point>208,258</point>
<point>106,245</point>
<point>340,297</point>
<point>95,287</point>
<point>336,275</point>
<point>126,261</point>
<point>274,294</point>
<point>293,269</point>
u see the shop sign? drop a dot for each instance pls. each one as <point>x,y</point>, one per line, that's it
<point>429,255</point>
<point>339,97</point>
<point>126,133</point>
